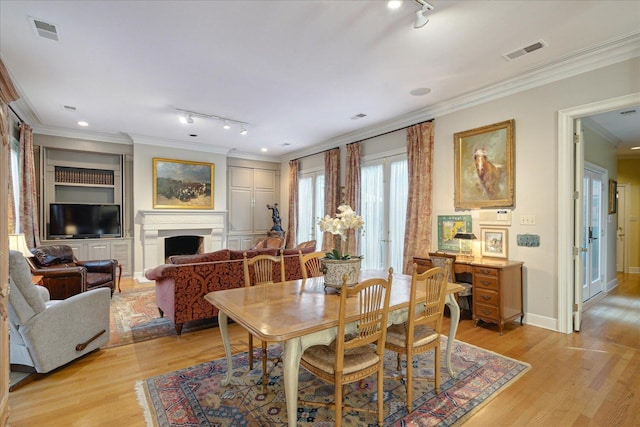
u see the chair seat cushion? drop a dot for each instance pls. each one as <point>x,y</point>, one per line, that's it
<point>323,357</point>
<point>95,279</point>
<point>396,335</point>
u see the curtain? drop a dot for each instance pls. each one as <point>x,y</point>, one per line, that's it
<point>28,199</point>
<point>331,192</point>
<point>8,94</point>
<point>292,229</point>
<point>419,203</point>
<point>352,191</point>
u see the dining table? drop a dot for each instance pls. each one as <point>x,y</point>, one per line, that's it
<point>302,313</point>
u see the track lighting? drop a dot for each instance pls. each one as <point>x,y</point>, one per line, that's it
<point>187,116</point>
<point>422,20</point>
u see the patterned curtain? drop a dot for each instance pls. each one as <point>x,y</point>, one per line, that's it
<point>292,229</point>
<point>352,190</point>
<point>6,141</point>
<point>28,199</point>
<point>331,192</point>
<point>419,203</point>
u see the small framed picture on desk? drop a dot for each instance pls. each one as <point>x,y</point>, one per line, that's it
<point>493,242</point>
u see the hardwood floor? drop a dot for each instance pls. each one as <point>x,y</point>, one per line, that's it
<point>589,378</point>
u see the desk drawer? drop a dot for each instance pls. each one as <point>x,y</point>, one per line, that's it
<point>486,311</point>
<point>488,297</point>
<point>485,282</point>
<point>486,271</point>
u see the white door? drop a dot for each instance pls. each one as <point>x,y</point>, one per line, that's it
<point>621,254</point>
<point>592,232</point>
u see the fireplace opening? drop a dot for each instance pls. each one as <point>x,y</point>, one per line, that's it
<point>182,245</point>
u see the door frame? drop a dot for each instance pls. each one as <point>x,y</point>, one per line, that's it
<point>603,238</point>
<point>566,213</point>
<point>625,224</point>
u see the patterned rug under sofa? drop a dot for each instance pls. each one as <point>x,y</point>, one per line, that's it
<point>135,318</point>
<point>195,397</point>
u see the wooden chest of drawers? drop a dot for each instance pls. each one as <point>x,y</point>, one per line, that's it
<point>497,292</point>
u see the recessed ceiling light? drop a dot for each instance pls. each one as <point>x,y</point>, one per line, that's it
<point>635,148</point>
<point>394,4</point>
<point>264,149</point>
<point>83,123</point>
<point>421,91</point>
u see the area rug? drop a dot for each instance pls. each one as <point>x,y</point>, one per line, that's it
<point>135,318</point>
<point>195,397</point>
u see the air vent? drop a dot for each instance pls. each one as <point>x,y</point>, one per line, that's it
<point>525,50</point>
<point>624,113</point>
<point>69,108</point>
<point>44,29</point>
<point>358,116</point>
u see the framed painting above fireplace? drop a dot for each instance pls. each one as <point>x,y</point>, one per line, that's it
<point>181,184</point>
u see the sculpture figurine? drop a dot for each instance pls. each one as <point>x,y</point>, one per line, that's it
<point>277,221</point>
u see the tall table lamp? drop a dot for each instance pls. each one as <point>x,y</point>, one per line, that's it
<point>464,236</point>
<point>18,242</point>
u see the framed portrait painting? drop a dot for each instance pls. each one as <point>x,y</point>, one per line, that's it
<point>613,197</point>
<point>484,166</point>
<point>493,242</point>
<point>449,226</point>
<point>180,184</point>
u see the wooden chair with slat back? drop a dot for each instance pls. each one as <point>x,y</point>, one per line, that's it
<point>421,331</point>
<point>310,264</point>
<point>262,267</point>
<point>352,357</point>
<point>438,259</point>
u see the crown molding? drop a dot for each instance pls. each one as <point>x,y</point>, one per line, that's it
<point>176,144</point>
<point>81,134</point>
<point>579,62</point>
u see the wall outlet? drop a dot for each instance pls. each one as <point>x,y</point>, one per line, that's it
<point>529,240</point>
<point>527,220</point>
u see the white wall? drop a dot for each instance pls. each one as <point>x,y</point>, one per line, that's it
<point>143,185</point>
<point>536,169</point>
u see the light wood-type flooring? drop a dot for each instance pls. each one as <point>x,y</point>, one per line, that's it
<point>591,378</point>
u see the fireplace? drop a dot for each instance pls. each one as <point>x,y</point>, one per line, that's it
<point>182,245</point>
<point>159,226</point>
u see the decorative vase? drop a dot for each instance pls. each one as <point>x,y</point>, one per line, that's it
<point>335,269</point>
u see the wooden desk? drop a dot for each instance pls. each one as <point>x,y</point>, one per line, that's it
<point>302,314</point>
<point>497,288</point>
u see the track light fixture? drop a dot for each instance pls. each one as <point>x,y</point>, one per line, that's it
<point>187,116</point>
<point>422,20</point>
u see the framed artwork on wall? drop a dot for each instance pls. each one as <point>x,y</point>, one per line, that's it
<point>180,184</point>
<point>613,196</point>
<point>493,242</point>
<point>449,226</point>
<point>484,166</point>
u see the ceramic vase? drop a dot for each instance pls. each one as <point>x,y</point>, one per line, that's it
<point>335,269</point>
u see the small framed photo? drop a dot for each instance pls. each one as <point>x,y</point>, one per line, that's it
<point>448,227</point>
<point>493,242</point>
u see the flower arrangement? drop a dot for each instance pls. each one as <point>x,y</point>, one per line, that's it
<point>339,226</point>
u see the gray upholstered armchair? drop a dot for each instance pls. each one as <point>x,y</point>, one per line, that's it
<point>48,334</point>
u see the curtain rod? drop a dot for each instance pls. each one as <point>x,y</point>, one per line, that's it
<point>366,139</point>
<point>16,114</point>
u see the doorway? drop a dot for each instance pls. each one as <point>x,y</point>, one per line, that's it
<point>567,252</point>
<point>622,249</point>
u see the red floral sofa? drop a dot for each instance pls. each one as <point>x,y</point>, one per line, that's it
<point>182,284</point>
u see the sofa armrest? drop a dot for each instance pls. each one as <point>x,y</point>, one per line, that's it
<point>52,335</point>
<point>49,272</point>
<point>99,266</point>
<point>157,273</point>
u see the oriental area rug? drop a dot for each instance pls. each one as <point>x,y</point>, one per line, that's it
<point>135,318</point>
<point>195,397</point>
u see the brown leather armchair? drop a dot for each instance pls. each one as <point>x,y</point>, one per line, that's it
<point>63,275</point>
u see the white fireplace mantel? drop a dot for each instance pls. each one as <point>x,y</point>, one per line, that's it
<point>158,225</point>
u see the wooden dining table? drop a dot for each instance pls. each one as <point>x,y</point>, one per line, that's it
<point>302,313</point>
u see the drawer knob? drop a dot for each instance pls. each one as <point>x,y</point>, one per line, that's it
<point>485,297</point>
<point>486,283</point>
<point>487,312</point>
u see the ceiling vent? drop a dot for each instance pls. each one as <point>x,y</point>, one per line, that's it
<point>44,29</point>
<point>624,113</point>
<point>358,116</point>
<point>525,50</point>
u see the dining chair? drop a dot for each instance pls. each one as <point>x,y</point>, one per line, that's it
<point>263,269</point>
<point>310,264</point>
<point>352,357</point>
<point>421,332</point>
<point>438,259</point>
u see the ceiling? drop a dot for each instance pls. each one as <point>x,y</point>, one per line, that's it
<point>298,73</point>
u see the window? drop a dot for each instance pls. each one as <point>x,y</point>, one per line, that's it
<point>310,206</point>
<point>385,183</point>
<point>16,182</point>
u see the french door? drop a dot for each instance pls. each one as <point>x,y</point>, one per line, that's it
<point>592,232</point>
<point>384,185</point>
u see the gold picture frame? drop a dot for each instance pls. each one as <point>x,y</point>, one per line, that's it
<point>494,242</point>
<point>613,196</point>
<point>181,184</point>
<point>484,166</point>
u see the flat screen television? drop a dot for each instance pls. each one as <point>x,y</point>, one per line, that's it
<point>83,221</point>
